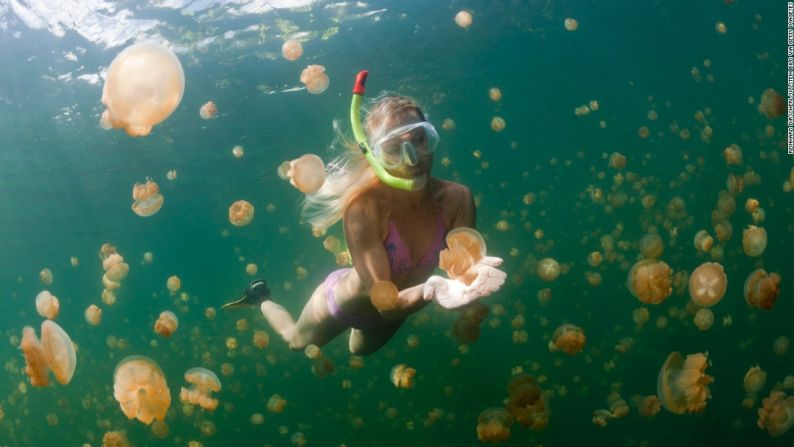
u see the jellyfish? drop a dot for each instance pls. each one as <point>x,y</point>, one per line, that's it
<point>47,305</point>
<point>776,415</point>
<point>707,284</point>
<point>282,170</point>
<point>307,173</point>
<point>45,276</point>
<point>384,295</point>
<point>238,151</point>
<point>617,160</point>
<point>276,403</point>
<point>548,269</point>
<point>754,241</point>
<point>465,247</point>
<point>754,379</point>
<point>571,24</point>
<point>721,28</point>
<point>648,406</point>
<point>568,338</point>
<point>292,50</point>
<point>143,86</point>
<point>448,124</point>
<point>498,124</point>
<point>781,345</point>
<point>315,79</point>
<point>115,439</point>
<point>166,324</point>
<point>526,402</point>
<point>495,94</point>
<point>261,339</point>
<point>733,155</point>
<point>140,388</point>
<point>682,385</point>
<point>704,319</point>
<point>59,351</point>
<point>208,110</point>
<point>772,104</point>
<point>703,241</point>
<point>466,328</point>
<point>204,383</point>
<point>93,315</point>
<point>173,284</point>
<point>463,19</point>
<point>241,213</point>
<point>493,425</point>
<point>651,245</point>
<point>147,198</point>
<point>402,376</point>
<point>761,289</point>
<point>118,272</point>
<point>649,281</point>
<point>35,363</point>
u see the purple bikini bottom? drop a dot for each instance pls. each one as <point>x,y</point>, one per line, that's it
<point>350,319</point>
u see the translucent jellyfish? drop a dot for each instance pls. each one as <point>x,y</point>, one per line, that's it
<point>754,379</point>
<point>166,324</point>
<point>703,241</point>
<point>402,376</point>
<point>59,351</point>
<point>171,175</point>
<point>776,415</point>
<point>315,79</point>
<point>47,305</point>
<point>640,316</point>
<point>276,403</point>
<point>463,19</point>
<point>651,245</point>
<point>617,160</point>
<point>649,281</point>
<point>493,425</point>
<point>93,315</point>
<point>571,24</point>
<point>307,173</point>
<point>761,289</point>
<point>140,388</point>
<point>251,269</point>
<point>448,124</point>
<point>548,269</point>
<point>45,276</point>
<point>292,50</point>
<point>721,28</point>
<point>498,124</point>
<point>465,247</point>
<point>205,382</point>
<point>707,284</point>
<point>682,385</point>
<point>495,94</point>
<point>282,170</point>
<point>733,155</point>
<point>173,284</point>
<point>568,338</point>
<point>781,345</point>
<point>147,198</point>
<point>384,295</point>
<point>143,86</point>
<point>526,402</point>
<point>241,213</point>
<point>238,151</point>
<point>772,104</point>
<point>74,261</point>
<point>466,328</point>
<point>117,272</point>
<point>208,111</point>
<point>115,439</point>
<point>35,364</point>
<point>754,241</point>
<point>648,406</point>
<point>704,319</point>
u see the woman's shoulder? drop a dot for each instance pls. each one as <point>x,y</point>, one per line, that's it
<point>451,193</point>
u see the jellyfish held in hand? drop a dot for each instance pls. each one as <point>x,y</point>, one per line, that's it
<point>465,247</point>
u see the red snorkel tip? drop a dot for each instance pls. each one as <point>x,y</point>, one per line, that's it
<point>361,79</point>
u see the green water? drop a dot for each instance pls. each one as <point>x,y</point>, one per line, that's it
<point>65,189</point>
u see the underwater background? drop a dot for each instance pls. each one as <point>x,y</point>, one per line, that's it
<point>65,189</point>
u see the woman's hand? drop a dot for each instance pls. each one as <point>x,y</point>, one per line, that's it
<point>452,294</point>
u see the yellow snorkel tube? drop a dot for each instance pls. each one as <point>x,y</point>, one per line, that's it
<point>361,139</point>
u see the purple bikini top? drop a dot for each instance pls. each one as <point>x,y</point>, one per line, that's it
<point>400,256</point>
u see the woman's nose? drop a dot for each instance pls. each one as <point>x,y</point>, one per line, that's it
<point>409,153</point>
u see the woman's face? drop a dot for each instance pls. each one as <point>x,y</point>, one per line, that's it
<point>416,163</point>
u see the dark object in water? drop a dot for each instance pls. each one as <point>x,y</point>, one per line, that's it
<point>254,295</point>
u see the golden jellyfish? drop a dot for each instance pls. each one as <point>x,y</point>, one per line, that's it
<point>384,295</point>
<point>292,50</point>
<point>93,315</point>
<point>448,124</point>
<point>772,104</point>
<point>649,281</point>
<point>466,328</point>
<point>682,385</point>
<point>703,241</point>
<point>733,155</point>
<point>59,351</point>
<point>147,198</point>
<point>45,276</point>
<point>251,269</point>
<point>463,19</point>
<point>238,151</point>
<point>568,338</point>
<point>47,305</point>
<point>74,261</point>
<point>241,213</point>
<point>402,376</point>
<point>282,170</point>
<point>307,173</point>
<point>526,402</point>
<point>35,364</point>
<point>465,247</point>
<point>115,439</point>
<point>761,289</point>
<point>261,339</point>
<point>495,94</point>
<point>166,324</point>
<point>571,24</point>
<point>276,403</point>
<point>651,245</point>
<point>173,284</point>
<point>754,379</point>
<point>704,319</point>
<point>754,241</point>
<point>707,284</point>
<point>781,345</point>
<point>648,406</point>
<point>498,124</point>
<point>617,160</point>
<point>315,79</point>
<point>776,415</point>
<point>208,111</point>
<point>493,425</point>
<point>171,175</point>
<point>204,382</point>
<point>721,28</point>
<point>140,388</point>
<point>143,86</point>
<point>548,269</point>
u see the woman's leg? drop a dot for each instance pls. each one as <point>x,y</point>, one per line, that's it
<point>365,342</point>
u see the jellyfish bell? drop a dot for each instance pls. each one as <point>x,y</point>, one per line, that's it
<point>93,315</point>
<point>772,104</point>
<point>651,245</point>
<point>707,284</point>
<point>283,169</point>
<point>548,269</point>
<point>166,324</point>
<point>292,50</point>
<point>315,79</point>
<point>682,384</point>
<point>465,248</point>
<point>493,425</point>
<point>571,24</point>
<point>649,281</point>
<point>754,241</point>
<point>47,305</point>
<point>754,379</point>
<point>59,351</point>
<point>307,173</point>
<point>568,338</point>
<point>204,382</point>
<point>384,295</point>
<point>402,376</point>
<point>143,86</point>
<point>140,388</point>
<point>118,272</point>
<point>147,198</point>
<point>241,213</point>
<point>761,289</point>
<point>208,111</point>
<point>463,19</point>
<point>776,414</point>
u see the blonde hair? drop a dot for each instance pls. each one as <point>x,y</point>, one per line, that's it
<point>349,174</point>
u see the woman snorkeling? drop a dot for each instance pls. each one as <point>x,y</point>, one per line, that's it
<point>395,217</point>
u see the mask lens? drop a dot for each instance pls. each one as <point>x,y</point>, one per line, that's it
<point>421,137</point>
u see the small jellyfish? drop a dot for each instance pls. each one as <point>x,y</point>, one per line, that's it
<point>143,86</point>
<point>651,245</point>
<point>703,241</point>
<point>761,289</point>
<point>205,382</point>
<point>772,104</point>
<point>754,241</point>
<point>147,198</point>
<point>315,79</point>
<point>35,363</point>
<point>251,269</point>
<point>754,379</point>
<point>707,284</point>
<point>776,415</point>
<point>171,175</point>
<point>495,94</point>
<point>173,284</point>
<point>74,261</point>
<point>568,338</point>
<point>463,19</point>
<point>402,376</point>
<point>140,388</point>
<point>238,151</point>
<point>721,28</point>
<point>448,124</point>
<point>498,124</point>
<point>241,213</point>
<point>682,385</point>
<point>493,425</point>
<point>45,276</point>
<point>292,50</point>
<point>307,173</point>
<point>384,295</point>
<point>733,155</point>
<point>59,351</point>
<point>93,315</point>
<point>166,324</point>
<point>261,339</point>
<point>47,305</point>
<point>526,403</point>
<point>781,345</point>
<point>649,281</point>
<point>571,24</point>
<point>617,160</point>
<point>276,403</point>
<point>704,319</point>
<point>548,269</point>
<point>208,110</point>
<point>117,272</point>
<point>465,247</point>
